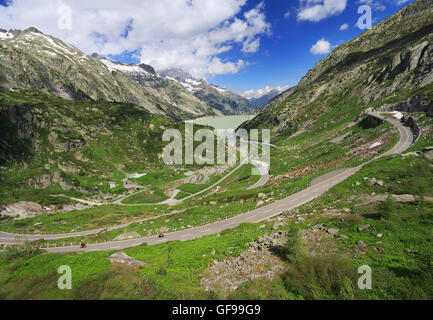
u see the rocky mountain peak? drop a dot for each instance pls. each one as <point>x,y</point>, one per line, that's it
<point>147,68</point>
<point>178,75</point>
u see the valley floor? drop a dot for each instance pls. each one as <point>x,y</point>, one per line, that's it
<point>365,219</point>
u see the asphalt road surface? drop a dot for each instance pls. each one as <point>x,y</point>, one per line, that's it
<point>254,216</point>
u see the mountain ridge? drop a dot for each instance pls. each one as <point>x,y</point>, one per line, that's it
<point>217,97</point>
<point>30,59</point>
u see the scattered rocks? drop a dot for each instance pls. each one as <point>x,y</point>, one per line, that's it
<point>127,236</point>
<point>379,235</point>
<point>122,257</point>
<point>259,261</point>
<point>268,241</point>
<point>128,184</point>
<point>60,146</point>
<point>290,212</point>
<point>300,220</point>
<point>371,199</point>
<point>429,155</point>
<point>342,236</point>
<point>375,145</point>
<point>410,154</point>
<point>363,227</point>
<point>361,244</point>
<point>333,231</point>
<point>113,185</point>
<point>164,229</point>
<point>375,182</point>
<point>403,198</point>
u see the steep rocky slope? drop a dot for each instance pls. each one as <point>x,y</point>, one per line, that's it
<point>32,60</point>
<point>218,98</point>
<point>388,64</point>
<point>50,145</point>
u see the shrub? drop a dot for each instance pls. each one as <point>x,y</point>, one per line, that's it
<point>293,245</point>
<point>25,250</point>
<point>321,277</point>
<point>386,208</point>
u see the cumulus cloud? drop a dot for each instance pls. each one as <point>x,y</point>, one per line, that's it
<point>251,94</point>
<point>165,33</point>
<point>287,14</point>
<point>317,10</point>
<point>322,46</point>
<point>400,2</point>
<point>344,27</point>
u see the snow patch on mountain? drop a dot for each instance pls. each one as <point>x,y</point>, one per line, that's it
<point>192,85</point>
<point>6,35</point>
<point>112,66</point>
<point>220,90</point>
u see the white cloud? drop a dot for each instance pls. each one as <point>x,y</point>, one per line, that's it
<point>375,4</point>
<point>252,46</point>
<point>344,27</point>
<point>317,10</point>
<point>400,2</point>
<point>166,33</point>
<point>287,14</point>
<point>250,94</point>
<point>322,46</point>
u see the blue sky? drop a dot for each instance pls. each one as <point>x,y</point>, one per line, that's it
<point>243,45</point>
<point>284,57</point>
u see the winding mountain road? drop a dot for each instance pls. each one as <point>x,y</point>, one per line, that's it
<point>257,215</point>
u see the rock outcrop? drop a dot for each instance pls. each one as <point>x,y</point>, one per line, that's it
<point>21,210</point>
<point>123,258</point>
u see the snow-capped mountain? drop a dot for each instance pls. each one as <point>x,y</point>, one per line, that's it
<point>219,98</point>
<point>31,60</point>
<point>261,101</point>
<point>142,73</point>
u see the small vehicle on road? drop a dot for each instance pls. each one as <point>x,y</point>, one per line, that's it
<point>161,235</point>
